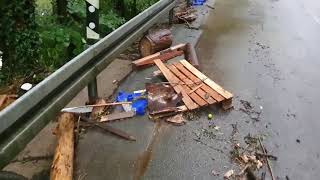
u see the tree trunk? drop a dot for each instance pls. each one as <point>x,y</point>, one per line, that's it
<point>120,7</point>
<point>155,41</point>
<point>62,165</point>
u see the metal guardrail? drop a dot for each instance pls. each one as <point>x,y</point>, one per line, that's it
<point>24,119</point>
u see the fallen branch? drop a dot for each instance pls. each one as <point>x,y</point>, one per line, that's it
<point>109,129</point>
<point>268,163</point>
<point>33,158</point>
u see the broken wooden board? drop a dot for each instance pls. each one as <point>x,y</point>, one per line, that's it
<point>6,100</point>
<point>117,116</point>
<point>198,87</point>
<point>163,55</point>
<point>175,84</point>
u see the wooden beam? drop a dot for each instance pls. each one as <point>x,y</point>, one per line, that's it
<point>177,87</point>
<point>62,165</point>
<point>206,80</point>
<point>163,55</point>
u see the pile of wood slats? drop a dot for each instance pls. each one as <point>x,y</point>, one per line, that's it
<point>197,89</point>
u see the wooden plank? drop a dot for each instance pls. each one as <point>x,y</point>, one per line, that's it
<point>203,99</point>
<point>205,87</point>
<point>163,55</point>
<point>62,164</point>
<point>116,116</point>
<point>206,80</point>
<point>194,96</point>
<point>178,88</point>
<point>187,73</point>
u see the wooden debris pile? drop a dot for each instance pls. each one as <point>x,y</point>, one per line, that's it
<point>185,90</point>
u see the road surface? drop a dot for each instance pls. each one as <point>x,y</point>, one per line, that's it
<point>265,52</point>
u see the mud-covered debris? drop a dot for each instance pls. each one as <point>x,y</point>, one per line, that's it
<point>228,174</point>
<point>247,105</point>
<point>250,110</point>
<point>192,115</point>
<point>177,120</point>
<point>262,46</point>
<point>162,98</point>
<point>215,173</point>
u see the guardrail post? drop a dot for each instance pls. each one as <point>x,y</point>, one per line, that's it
<point>171,16</point>
<point>92,29</point>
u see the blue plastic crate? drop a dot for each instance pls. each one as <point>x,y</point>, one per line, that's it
<point>198,2</point>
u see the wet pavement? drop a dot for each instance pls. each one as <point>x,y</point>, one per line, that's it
<point>266,53</point>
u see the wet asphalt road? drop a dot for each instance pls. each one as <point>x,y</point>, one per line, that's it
<point>265,52</point>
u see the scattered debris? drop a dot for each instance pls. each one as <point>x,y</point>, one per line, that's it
<point>298,141</point>
<point>250,111</point>
<point>6,100</point>
<point>177,120</point>
<point>187,15</point>
<point>213,172</point>
<point>268,163</point>
<point>228,174</point>
<point>116,116</point>
<point>108,129</point>
<point>262,46</point>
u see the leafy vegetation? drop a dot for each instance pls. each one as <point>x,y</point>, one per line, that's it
<point>39,37</point>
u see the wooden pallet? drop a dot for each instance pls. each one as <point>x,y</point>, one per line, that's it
<point>197,89</point>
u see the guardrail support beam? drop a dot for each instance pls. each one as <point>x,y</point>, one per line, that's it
<point>93,91</point>
<point>171,16</point>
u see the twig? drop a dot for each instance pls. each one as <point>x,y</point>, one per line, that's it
<point>267,155</point>
<point>110,129</point>
<point>33,158</point>
<point>268,163</point>
<point>210,6</point>
<point>187,23</point>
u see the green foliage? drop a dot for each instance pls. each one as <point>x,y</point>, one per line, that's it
<point>109,22</point>
<point>40,42</point>
<point>20,40</point>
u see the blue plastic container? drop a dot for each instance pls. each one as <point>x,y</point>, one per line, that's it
<point>138,105</point>
<point>198,2</point>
